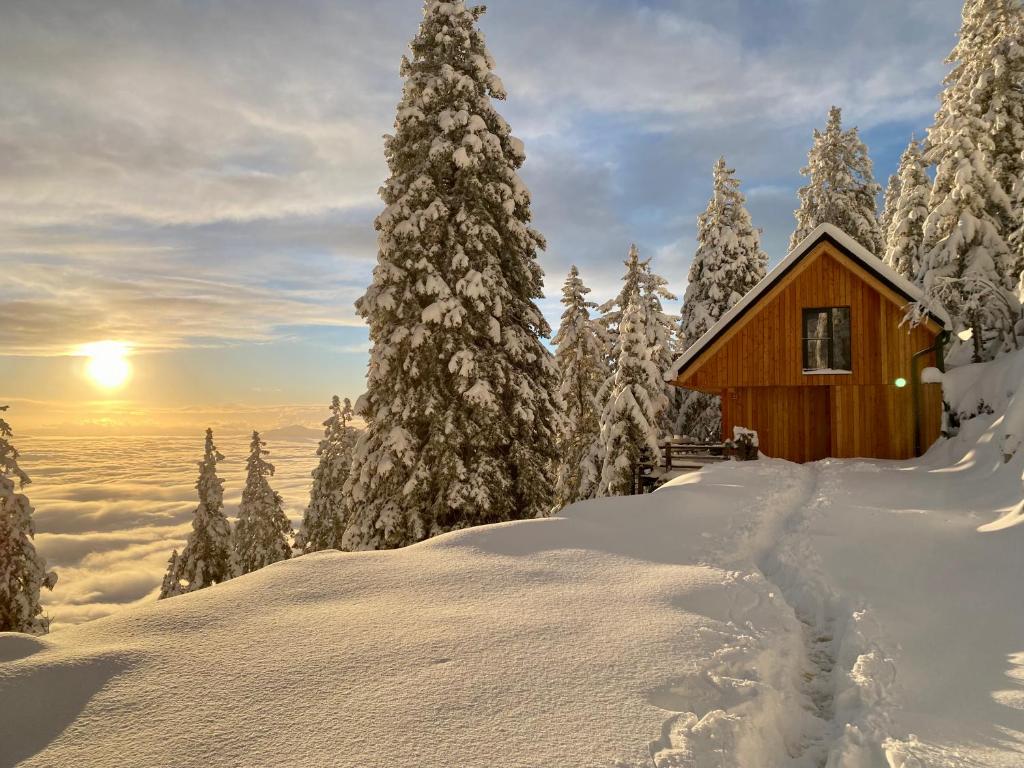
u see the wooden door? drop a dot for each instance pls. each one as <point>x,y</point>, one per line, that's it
<point>818,423</point>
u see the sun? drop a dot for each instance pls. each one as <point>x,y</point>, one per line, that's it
<point>108,364</point>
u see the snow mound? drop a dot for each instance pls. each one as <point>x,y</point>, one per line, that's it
<point>566,641</point>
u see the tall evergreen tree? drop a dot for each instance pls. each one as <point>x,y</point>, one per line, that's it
<point>968,265</point>
<point>841,189</point>
<point>261,534</point>
<point>206,559</point>
<point>640,279</point>
<point>324,520</point>
<point>22,571</point>
<point>633,398</point>
<point>728,263</point>
<point>460,403</point>
<point>611,311</point>
<point>580,354</point>
<point>984,92</point>
<point>905,233</point>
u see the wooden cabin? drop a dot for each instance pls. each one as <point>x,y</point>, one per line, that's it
<point>818,359</point>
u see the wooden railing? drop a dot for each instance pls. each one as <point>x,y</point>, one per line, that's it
<point>674,455</point>
<point>686,455</point>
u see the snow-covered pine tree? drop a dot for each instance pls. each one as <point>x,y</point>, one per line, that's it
<point>976,144</point>
<point>172,585</point>
<point>728,263</point>
<point>612,310</point>
<point>22,571</point>
<point>580,354</point>
<point>206,559</point>
<point>324,520</point>
<point>633,398</point>
<point>460,403</point>
<point>661,338</point>
<point>964,255</point>
<point>905,233</point>
<point>262,531</point>
<point>986,84</point>
<point>652,288</point>
<point>892,194</point>
<point>841,189</point>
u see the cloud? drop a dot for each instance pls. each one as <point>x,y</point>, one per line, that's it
<point>196,174</point>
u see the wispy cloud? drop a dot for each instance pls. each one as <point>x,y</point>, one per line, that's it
<point>188,174</point>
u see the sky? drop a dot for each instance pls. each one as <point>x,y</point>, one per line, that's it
<point>198,178</point>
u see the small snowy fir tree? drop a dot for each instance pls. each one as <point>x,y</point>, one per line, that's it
<point>613,309</point>
<point>262,531</point>
<point>172,585</point>
<point>841,189</point>
<point>968,265</point>
<point>728,263</point>
<point>22,571</point>
<point>634,397</point>
<point>909,210</point>
<point>641,278</point>
<point>324,520</point>
<point>206,559</point>
<point>892,194</point>
<point>580,354</point>
<point>460,404</point>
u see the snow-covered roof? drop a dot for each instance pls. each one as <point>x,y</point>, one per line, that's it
<point>846,244</point>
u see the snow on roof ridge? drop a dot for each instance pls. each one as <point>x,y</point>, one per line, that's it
<point>862,254</point>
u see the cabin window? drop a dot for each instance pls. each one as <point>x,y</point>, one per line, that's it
<point>827,339</point>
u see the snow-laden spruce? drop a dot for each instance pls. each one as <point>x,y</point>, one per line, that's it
<point>728,263</point>
<point>171,586</point>
<point>582,368</point>
<point>892,195</point>
<point>324,520</point>
<point>640,277</point>
<point>262,531</point>
<point>841,189</point>
<point>634,399</point>
<point>904,234</point>
<point>976,143</point>
<point>22,571</point>
<point>460,405</point>
<point>206,559</point>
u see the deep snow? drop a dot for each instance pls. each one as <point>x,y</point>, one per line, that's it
<point>848,613</point>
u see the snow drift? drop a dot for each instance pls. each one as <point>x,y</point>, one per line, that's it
<point>848,614</point>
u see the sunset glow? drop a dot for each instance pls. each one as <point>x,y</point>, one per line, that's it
<point>108,365</point>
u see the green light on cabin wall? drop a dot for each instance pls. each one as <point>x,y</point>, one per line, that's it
<point>900,382</point>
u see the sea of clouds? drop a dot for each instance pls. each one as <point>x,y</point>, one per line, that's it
<point>109,510</point>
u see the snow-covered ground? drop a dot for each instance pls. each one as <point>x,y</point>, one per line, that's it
<point>847,613</point>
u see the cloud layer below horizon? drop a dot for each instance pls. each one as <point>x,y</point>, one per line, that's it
<point>109,511</point>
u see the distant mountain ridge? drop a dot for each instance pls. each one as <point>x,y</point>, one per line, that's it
<point>293,432</point>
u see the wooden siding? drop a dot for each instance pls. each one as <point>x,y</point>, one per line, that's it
<point>757,367</point>
<point>764,348</point>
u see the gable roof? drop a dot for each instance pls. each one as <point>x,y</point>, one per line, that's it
<point>840,241</point>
